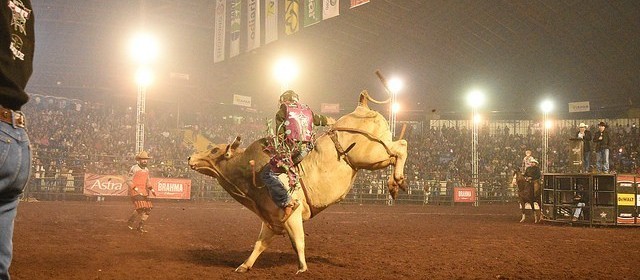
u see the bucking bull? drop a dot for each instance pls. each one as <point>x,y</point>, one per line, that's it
<point>359,140</point>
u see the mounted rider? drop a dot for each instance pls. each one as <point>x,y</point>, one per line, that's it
<point>532,174</point>
<point>292,142</point>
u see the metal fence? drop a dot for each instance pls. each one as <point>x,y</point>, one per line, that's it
<point>369,188</point>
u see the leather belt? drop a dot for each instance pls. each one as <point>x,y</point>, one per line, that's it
<point>12,117</point>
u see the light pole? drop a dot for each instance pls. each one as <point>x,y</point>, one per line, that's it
<point>546,106</point>
<point>285,71</point>
<point>475,99</point>
<point>395,85</point>
<point>144,50</point>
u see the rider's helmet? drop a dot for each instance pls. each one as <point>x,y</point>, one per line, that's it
<point>289,96</point>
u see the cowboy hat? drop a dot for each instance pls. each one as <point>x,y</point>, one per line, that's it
<point>142,155</point>
<point>533,160</point>
<point>603,124</point>
<point>582,125</point>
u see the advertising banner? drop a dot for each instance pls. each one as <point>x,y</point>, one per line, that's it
<point>330,108</point>
<point>312,12</point>
<point>242,100</point>
<point>219,31</point>
<point>114,185</point>
<point>356,3</point>
<point>171,188</point>
<point>464,195</point>
<point>271,21</point>
<point>575,107</point>
<point>291,16</point>
<point>330,8</point>
<point>234,46</point>
<point>104,185</point>
<point>253,24</point>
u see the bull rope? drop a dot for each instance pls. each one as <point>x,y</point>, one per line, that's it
<point>365,133</point>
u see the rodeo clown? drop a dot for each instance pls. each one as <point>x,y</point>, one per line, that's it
<point>292,142</point>
<point>139,188</point>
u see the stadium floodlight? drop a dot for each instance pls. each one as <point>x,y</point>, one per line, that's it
<point>548,124</point>
<point>475,98</point>
<point>546,106</point>
<point>395,85</point>
<point>477,118</point>
<point>144,77</point>
<point>395,107</point>
<point>285,71</point>
<point>144,48</point>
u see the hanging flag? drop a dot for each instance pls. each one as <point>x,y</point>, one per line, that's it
<point>330,8</point>
<point>291,16</point>
<point>271,21</point>
<point>356,3</point>
<point>234,46</point>
<point>253,24</point>
<point>312,12</point>
<point>219,31</point>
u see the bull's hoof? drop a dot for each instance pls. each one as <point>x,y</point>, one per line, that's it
<point>393,193</point>
<point>301,270</point>
<point>242,269</point>
<point>522,220</point>
<point>402,183</point>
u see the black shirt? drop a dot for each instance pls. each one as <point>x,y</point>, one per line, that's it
<point>16,51</point>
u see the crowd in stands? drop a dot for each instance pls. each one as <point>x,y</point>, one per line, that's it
<point>97,138</point>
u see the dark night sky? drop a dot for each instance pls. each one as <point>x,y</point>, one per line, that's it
<point>517,52</point>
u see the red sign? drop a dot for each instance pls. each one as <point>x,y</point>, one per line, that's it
<point>464,195</point>
<point>114,185</point>
<point>104,185</point>
<point>171,188</point>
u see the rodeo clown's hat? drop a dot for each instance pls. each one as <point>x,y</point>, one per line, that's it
<point>142,155</point>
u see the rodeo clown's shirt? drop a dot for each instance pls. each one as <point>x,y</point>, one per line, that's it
<point>139,178</point>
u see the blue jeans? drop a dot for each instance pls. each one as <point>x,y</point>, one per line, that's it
<point>278,192</point>
<point>602,160</point>
<point>15,166</point>
<point>586,161</point>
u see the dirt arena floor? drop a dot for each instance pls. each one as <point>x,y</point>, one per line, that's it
<point>90,240</point>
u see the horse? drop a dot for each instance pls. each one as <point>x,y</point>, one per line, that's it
<point>358,140</point>
<point>528,193</point>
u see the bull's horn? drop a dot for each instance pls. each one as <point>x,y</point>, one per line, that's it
<point>236,142</point>
<point>364,96</point>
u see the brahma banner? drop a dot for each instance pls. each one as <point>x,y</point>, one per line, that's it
<point>171,188</point>
<point>464,195</point>
<point>114,185</point>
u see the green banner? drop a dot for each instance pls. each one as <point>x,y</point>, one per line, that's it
<point>312,12</point>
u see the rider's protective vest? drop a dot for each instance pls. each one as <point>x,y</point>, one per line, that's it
<point>298,123</point>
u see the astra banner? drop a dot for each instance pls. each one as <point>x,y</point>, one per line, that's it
<point>114,185</point>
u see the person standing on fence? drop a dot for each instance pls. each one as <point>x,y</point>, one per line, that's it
<point>601,140</point>
<point>139,189</point>
<point>585,135</point>
<point>526,161</point>
<point>17,43</point>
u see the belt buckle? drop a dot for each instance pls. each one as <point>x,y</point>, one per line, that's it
<point>17,119</point>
